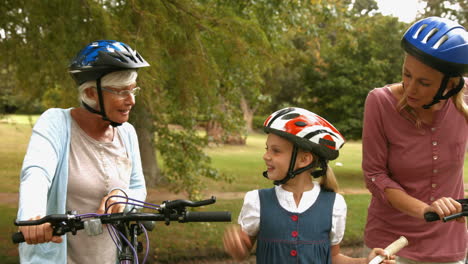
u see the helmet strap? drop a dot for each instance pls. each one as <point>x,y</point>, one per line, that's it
<point>102,112</point>
<point>323,166</point>
<point>440,93</point>
<point>291,174</point>
<point>292,163</point>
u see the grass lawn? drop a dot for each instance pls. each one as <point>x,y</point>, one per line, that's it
<point>242,164</point>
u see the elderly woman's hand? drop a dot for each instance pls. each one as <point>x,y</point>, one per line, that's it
<point>116,208</point>
<point>37,234</point>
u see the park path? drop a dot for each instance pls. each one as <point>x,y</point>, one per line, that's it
<point>156,195</point>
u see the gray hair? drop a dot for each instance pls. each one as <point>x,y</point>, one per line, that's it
<point>117,79</point>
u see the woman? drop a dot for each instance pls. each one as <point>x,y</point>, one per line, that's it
<point>414,139</point>
<point>78,157</point>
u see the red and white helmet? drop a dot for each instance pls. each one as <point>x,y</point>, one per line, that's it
<point>307,130</point>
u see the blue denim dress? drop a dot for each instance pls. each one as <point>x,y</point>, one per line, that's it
<point>286,237</point>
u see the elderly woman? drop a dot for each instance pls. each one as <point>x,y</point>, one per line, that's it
<point>414,138</point>
<point>78,157</point>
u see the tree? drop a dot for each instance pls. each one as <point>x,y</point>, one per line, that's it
<point>451,9</point>
<point>199,58</point>
<point>335,65</point>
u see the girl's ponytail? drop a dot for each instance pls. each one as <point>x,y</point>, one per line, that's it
<point>328,181</point>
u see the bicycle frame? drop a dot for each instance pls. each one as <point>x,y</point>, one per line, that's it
<point>124,228</point>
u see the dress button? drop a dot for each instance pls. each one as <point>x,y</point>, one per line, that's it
<point>433,129</point>
<point>434,143</point>
<point>432,198</point>
<point>294,217</point>
<point>294,233</point>
<point>435,171</point>
<point>434,185</point>
<point>435,157</point>
<point>293,253</point>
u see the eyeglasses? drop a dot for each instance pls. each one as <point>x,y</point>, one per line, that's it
<point>123,93</point>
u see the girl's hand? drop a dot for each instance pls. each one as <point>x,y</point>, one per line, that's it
<point>117,208</point>
<point>237,243</point>
<point>445,206</point>
<point>379,251</point>
<point>37,234</point>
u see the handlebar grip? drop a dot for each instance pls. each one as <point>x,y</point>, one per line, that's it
<point>53,218</point>
<point>17,237</point>
<point>431,217</point>
<point>207,217</point>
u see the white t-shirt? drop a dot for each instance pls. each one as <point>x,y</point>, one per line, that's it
<point>249,217</point>
<point>95,168</point>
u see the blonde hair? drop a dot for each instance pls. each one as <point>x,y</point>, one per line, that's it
<point>117,79</point>
<point>458,100</point>
<point>327,181</point>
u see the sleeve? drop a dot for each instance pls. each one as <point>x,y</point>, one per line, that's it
<point>249,217</point>
<point>338,220</point>
<point>39,165</point>
<point>137,188</point>
<point>375,149</point>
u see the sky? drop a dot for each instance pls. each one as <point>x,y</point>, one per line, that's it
<point>405,10</point>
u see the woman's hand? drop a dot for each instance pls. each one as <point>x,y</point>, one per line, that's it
<point>445,206</point>
<point>379,251</point>
<point>37,234</point>
<point>237,243</point>
<point>116,208</point>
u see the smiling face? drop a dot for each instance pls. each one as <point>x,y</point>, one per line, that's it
<point>420,82</point>
<point>118,107</point>
<point>278,156</point>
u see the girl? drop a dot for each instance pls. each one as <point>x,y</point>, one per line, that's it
<point>299,220</point>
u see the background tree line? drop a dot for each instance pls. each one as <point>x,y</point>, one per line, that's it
<point>215,64</point>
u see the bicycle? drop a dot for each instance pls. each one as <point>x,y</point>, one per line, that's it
<point>431,216</point>
<point>124,228</point>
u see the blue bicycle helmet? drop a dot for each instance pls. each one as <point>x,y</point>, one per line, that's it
<point>441,44</point>
<point>100,58</point>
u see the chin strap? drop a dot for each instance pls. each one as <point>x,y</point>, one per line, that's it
<point>101,104</point>
<point>440,93</point>
<point>292,173</point>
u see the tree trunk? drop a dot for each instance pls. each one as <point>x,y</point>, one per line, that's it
<point>215,132</point>
<point>145,134</point>
<point>248,114</point>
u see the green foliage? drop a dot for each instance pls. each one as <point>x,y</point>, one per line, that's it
<point>348,68</point>
<point>451,9</point>
<point>208,57</point>
<point>204,59</point>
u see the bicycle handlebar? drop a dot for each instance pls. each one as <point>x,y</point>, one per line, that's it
<point>432,216</point>
<point>177,204</point>
<point>63,223</point>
